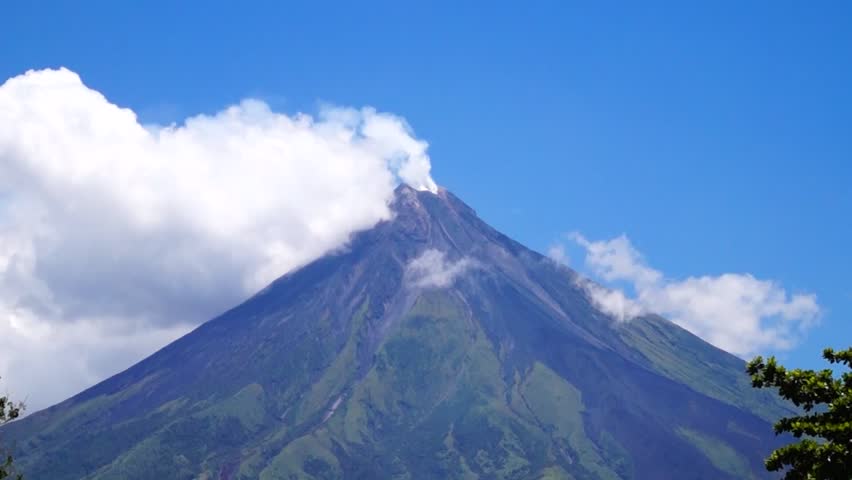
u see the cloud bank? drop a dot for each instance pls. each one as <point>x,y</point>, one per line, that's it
<point>432,269</point>
<point>736,312</point>
<point>117,237</point>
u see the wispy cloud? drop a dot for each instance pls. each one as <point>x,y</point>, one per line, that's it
<point>556,252</point>
<point>734,311</point>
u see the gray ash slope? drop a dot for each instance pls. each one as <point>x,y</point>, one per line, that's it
<point>358,366</point>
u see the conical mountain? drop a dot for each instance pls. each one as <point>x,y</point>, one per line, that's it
<point>431,347</point>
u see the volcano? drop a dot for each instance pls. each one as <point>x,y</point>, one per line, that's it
<point>430,347</point>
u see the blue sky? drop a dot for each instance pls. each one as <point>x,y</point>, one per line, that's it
<point>717,137</point>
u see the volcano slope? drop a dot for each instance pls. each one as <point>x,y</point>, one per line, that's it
<point>431,347</point>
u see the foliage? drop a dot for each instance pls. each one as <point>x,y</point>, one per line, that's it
<point>826,450</point>
<point>8,412</point>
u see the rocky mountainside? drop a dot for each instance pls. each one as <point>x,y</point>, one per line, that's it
<point>431,347</point>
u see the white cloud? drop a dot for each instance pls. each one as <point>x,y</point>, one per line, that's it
<point>556,252</point>
<point>432,269</point>
<point>611,301</point>
<point>117,237</point>
<point>47,361</point>
<point>616,259</point>
<point>736,312</point>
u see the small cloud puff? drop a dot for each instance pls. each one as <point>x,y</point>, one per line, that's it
<point>556,252</point>
<point>613,302</point>
<point>432,269</point>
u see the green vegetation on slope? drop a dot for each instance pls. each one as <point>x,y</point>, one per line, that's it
<point>719,453</point>
<point>557,405</point>
<point>434,406</point>
<point>438,399</point>
<point>683,357</point>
